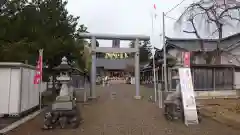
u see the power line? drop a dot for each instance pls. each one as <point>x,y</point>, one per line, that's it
<point>171,18</point>
<point>170,11</point>
<point>175,7</point>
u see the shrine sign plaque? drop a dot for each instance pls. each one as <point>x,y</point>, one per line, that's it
<point>187,91</point>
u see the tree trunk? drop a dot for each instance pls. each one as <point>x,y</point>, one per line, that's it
<point>217,53</point>
<point>218,50</point>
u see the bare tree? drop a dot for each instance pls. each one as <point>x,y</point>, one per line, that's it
<point>214,15</point>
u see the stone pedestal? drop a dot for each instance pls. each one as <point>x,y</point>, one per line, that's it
<point>137,97</point>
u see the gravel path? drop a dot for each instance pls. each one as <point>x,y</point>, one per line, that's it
<point>123,115</point>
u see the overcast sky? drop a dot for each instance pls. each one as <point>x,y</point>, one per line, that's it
<point>127,16</point>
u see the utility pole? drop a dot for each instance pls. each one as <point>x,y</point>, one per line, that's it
<point>154,76</point>
<point>153,58</point>
<point>164,54</point>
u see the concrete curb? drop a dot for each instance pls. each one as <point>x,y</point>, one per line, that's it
<point>220,118</point>
<point>20,122</point>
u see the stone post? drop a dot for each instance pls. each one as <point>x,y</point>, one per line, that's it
<point>93,68</point>
<point>137,70</point>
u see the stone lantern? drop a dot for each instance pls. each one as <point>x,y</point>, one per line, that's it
<point>64,111</point>
<point>64,77</point>
<point>66,99</point>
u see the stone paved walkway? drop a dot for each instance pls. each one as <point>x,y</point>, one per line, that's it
<point>123,115</point>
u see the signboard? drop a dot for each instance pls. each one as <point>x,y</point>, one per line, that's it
<point>186,59</point>
<point>188,98</point>
<point>116,55</point>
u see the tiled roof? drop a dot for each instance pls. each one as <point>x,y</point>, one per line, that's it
<point>209,44</point>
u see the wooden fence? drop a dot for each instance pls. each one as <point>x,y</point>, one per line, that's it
<point>205,77</point>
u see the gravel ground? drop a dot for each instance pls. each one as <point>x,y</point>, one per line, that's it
<point>229,104</point>
<point>122,115</point>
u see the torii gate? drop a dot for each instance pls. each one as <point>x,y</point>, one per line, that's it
<point>95,49</point>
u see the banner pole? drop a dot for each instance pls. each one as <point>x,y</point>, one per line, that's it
<point>40,89</point>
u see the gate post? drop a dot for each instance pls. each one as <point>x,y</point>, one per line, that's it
<point>137,70</point>
<point>93,68</point>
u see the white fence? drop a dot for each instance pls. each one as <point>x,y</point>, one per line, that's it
<point>17,90</point>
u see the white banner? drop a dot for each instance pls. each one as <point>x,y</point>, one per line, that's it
<point>155,37</point>
<point>188,98</point>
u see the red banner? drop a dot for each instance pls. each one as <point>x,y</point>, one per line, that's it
<point>186,59</point>
<point>38,73</point>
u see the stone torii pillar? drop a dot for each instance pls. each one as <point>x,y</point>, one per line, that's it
<point>137,70</point>
<point>93,68</point>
